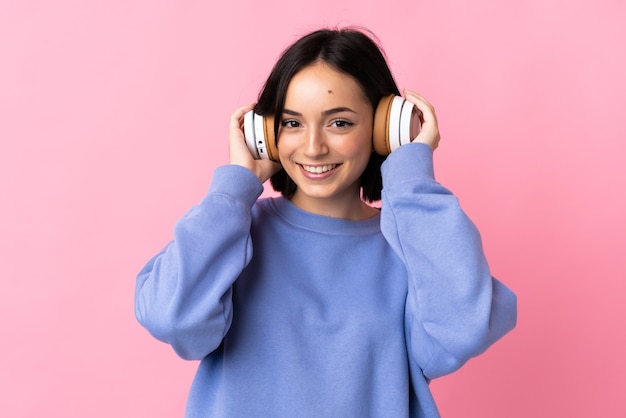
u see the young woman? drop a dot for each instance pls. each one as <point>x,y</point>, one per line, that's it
<point>316,304</point>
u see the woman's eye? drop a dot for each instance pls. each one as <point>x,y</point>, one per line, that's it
<point>340,123</point>
<point>290,123</point>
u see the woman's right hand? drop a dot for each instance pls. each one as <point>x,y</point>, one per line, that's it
<point>239,152</point>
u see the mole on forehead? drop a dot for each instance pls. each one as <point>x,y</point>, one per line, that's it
<point>330,92</point>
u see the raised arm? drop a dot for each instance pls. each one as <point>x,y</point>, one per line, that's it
<point>455,309</point>
<point>183,294</point>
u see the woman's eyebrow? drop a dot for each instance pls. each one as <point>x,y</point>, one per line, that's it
<point>337,110</point>
<point>325,112</point>
<point>292,112</point>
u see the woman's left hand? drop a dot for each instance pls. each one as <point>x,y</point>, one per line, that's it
<point>429,132</point>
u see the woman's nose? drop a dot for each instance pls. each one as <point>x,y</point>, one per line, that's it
<point>315,143</point>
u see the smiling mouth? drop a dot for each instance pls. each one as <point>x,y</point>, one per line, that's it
<point>318,169</point>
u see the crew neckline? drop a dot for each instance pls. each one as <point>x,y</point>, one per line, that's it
<point>325,224</point>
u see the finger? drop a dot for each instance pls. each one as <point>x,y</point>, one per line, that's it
<point>236,118</point>
<point>419,101</point>
<point>430,130</point>
<point>427,109</point>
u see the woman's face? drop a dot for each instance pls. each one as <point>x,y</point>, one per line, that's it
<point>325,137</point>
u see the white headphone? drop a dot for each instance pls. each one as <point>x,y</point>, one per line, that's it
<point>396,122</point>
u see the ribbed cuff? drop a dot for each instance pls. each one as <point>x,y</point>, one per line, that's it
<point>410,161</point>
<point>237,182</point>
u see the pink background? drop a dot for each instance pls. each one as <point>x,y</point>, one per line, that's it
<point>113,115</point>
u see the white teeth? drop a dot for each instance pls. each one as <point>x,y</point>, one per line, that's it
<point>318,169</point>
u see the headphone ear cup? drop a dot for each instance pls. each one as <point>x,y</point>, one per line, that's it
<point>380,136</point>
<point>396,122</point>
<point>270,139</point>
<point>259,134</point>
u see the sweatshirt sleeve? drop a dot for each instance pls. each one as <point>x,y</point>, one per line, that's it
<point>455,309</point>
<point>183,294</point>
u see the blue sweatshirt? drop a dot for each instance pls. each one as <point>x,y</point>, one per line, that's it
<point>299,315</point>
